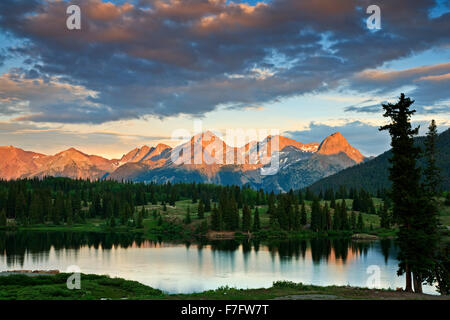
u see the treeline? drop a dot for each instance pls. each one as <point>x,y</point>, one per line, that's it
<point>286,212</point>
<point>64,200</point>
<point>362,199</point>
<point>68,201</point>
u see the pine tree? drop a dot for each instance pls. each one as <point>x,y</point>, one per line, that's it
<point>406,191</point>
<point>20,209</point>
<point>447,199</point>
<point>153,199</point>
<point>303,220</point>
<point>432,173</point>
<point>256,221</point>
<point>353,220</point>
<point>187,219</point>
<point>333,203</point>
<point>112,222</point>
<point>360,225</point>
<point>208,205</point>
<point>315,215</point>
<point>325,216</point>
<point>36,210</point>
<point>246,218</point>
<point>428,222</point>
<point>344,216</point>
<point>271,211</point>
<point>308,195</point>
<point>172,197</point>
<point>216,219</point>
<point>384,217</point>
<point>201,210</point>
<point>329,222</point>
<point>296,223</point>
<point>69,211</point>
<point>3,218</point>
<point>234,214</point>
<point>160,220</point>
<point>58,208</point>
<point>337,219</point>
<point>76,207</point>
<point>140,219</point>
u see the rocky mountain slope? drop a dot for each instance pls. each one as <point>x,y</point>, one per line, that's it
<point>276,163</point>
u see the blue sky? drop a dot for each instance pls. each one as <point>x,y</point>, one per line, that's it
<point>138,70</point>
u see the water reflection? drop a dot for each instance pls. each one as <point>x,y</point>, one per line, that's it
<point>189,267</point>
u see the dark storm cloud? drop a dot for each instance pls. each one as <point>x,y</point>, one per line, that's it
<point>164,58</point>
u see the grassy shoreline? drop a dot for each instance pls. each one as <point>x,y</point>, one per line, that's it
<point>95,287</point>
<point>188,235</point>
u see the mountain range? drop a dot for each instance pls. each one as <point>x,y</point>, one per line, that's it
<point>205,158</point>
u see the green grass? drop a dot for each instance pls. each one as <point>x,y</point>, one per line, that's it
<point>22,287</point>
<point>95,287</point>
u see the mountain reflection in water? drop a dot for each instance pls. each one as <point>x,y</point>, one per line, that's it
<point>192,267</point>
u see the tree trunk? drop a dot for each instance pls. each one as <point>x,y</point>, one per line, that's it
<point>417,284</point>
<point>408,287</point>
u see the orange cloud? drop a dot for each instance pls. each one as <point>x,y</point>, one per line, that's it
<point>381,75</point>
<point>441,77</point>
<point>106,10</point>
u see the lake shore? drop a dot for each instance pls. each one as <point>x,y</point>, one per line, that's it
<point>96,287</point>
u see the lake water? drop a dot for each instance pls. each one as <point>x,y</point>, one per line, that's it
<point>194,267</point>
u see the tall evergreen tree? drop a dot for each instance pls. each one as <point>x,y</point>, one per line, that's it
<point>69,211</point>
<point>36,209</point>
<point>140,219</point>
<point>296,223</point>
<point>406,191</point>
<point>315,215</point>
<point>344,216</point>
<point>337,219</point>
<point>3,218</point>
<point>303,218</point>
<point>216,219</point>
<point>187,219</point>
<point>353,220</point>
<point>384,217</point>
<point>271,209</point>
<point>201,210</point>
<point>256,221</point>
<point>208,205</point>
<point>329,221</point>
<point>360,224</point>
<point>333,203</point>
<point>432,175</point>
<point>246,218</point>
<point>58,208</point>
<point>20,209</point>
<point>447,199</point>
<point>427,265</point>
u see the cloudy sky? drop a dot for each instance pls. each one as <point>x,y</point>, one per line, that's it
<point>140,69</point>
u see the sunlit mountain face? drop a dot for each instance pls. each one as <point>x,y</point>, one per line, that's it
<point>133,72</point>
<point>205,158</point>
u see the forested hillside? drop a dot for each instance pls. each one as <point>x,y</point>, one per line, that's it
<point>373,175</point>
